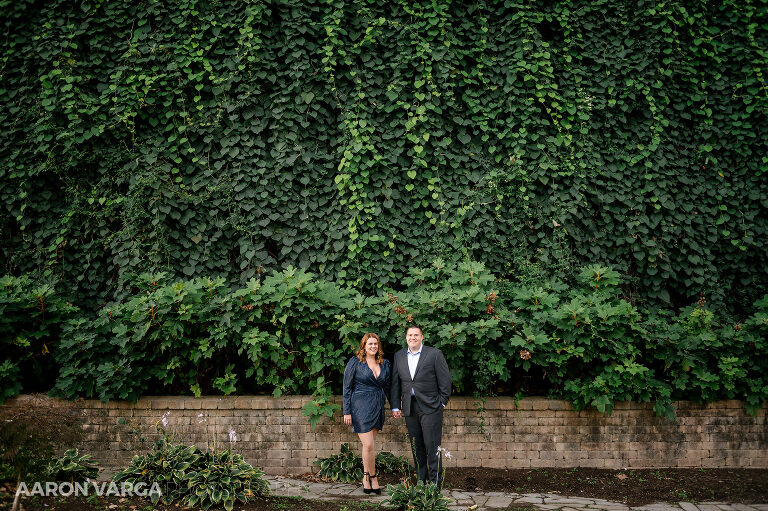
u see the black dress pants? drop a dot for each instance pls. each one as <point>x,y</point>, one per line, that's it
<point>425,432</point>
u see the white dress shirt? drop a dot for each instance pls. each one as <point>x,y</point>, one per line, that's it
<point>413,361</point>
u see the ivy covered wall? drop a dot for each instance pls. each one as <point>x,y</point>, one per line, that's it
<point>358,139</point>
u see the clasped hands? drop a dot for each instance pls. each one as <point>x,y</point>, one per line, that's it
<point>348,418</point>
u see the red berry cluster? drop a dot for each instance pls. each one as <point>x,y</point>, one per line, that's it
<point>491,300</point>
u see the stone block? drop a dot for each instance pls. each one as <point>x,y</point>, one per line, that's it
<point>550,421</point>
<point>559,404</point>
<point>299,463</point>
<point>592,463</point>
<point>525,404</point>
<point>526,455</point>
<point>493,463</point>
<point>552,455</point>
<point>458,403</point>
<point>518,463</point>
<point>507,404</point>
<point>163,404</point>
<point>601,455</point>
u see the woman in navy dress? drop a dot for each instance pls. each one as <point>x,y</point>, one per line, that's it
<point>366,384</point>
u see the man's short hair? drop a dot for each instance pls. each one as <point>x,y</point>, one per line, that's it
<point>414,326</point>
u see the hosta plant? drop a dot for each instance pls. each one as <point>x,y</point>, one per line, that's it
<point>72,467</point>
<point>391,464</point>
<point>416,497</point>
<point>196,478</point>
<point>222,478</point>
<point>347,466</point>
<point>168,466</point>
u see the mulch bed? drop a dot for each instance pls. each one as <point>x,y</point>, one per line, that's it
<point>632,487</point>
<point>138,504</point>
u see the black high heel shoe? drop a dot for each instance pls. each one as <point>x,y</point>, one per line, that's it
<point>377,491</point>
<point>367,490</point>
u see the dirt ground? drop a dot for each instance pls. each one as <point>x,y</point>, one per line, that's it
<point>632,487</point>
<point>137,504</point>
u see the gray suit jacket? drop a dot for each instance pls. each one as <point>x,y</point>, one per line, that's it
<point>431,382</point>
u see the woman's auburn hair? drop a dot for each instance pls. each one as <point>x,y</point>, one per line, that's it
<point>361,349</point>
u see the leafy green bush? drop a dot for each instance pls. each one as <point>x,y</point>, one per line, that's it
<point>569,335</point>
<point>347,466</point>
<point>31,317</point>
<point>703,358</point>
<point>72,467</point>
<point>389,463</point>
<point>272,335</point>
<point>459,310</point>
<point>189,475</point>
<point>596,349</point>
<point>113,356</point>
<point>196,478</point>
<point>420,496</point>
<point>168,466</point>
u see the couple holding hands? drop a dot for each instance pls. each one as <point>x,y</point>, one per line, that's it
<point>417,385</point>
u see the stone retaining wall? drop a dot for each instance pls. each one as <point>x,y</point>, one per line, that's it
<point>534,432</point>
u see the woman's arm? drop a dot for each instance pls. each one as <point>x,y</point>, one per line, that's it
<point>395,401</point>
<point>388,384</point>
<point>349,385</point>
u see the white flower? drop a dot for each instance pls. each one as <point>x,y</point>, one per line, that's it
<point>201,418</point>
<point>232,435</point>
<point>164,419</point>
<point>444,452</point>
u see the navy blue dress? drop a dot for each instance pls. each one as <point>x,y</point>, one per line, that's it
<point>364,394</point>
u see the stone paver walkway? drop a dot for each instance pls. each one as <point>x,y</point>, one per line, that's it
<point>487,501</point>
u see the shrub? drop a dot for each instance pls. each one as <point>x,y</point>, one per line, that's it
<point>416,497</point>
<point>193,477</point>
<point>31,317</point>
<point>347,466</point>
<point>391,464</point>
<point>72,467</point>
<point>570,335</point>
<point>276,335</point>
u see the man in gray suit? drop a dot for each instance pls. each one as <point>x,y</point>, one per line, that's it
<point>421,385</point>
